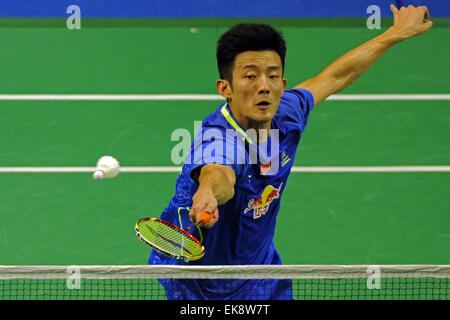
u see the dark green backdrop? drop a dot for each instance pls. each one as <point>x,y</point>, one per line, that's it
<point>325,218</point>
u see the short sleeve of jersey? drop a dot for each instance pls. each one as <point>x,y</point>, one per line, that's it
<point>295,107</point>
<point>212,145</point>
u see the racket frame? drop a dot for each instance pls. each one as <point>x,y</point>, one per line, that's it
<point>165,252</point>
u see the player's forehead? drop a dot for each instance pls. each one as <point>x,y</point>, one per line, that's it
<point>248,60</point>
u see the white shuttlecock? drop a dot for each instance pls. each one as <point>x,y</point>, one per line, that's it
<point>107,167</point>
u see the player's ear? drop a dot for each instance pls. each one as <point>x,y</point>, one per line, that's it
<point>224,88</point>
<point>284,83</point>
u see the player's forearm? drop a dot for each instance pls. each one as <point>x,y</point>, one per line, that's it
<point>408,22</point>
<point>349,67</point>
<point>218,182</point>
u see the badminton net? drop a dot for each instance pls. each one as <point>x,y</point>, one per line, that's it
<point>308,282</point>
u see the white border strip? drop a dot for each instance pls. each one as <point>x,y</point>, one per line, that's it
<point>228,272</point>
<point>204,97</point>
<point>163,169</point>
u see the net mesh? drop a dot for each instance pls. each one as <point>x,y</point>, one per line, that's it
<point>403,282</point>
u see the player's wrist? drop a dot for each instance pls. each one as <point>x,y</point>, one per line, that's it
<point>393,35</point>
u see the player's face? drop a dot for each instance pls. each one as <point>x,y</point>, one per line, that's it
<point>256,88</point>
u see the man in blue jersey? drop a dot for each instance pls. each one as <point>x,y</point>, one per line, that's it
<point>242,156</point>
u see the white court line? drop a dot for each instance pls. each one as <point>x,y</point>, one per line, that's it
<point>178,169</point>
<point>109,97</point>
<point>374,169</point>
<point>199,97</point>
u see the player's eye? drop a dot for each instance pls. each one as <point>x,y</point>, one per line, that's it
<point>250,76</point>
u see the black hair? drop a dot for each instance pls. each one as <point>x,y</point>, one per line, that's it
<point>247,37</point>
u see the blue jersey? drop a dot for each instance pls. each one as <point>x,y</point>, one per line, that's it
<point>244,232</point>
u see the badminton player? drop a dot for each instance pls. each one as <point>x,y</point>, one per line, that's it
<point>241,158</point>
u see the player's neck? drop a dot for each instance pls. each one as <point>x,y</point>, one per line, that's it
<point>260,128</point>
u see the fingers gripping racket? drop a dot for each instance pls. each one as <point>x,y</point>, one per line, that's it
<point>170,239</point>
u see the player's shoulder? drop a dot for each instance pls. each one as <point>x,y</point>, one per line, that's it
<point>216,119</point>
<point>297,96</point>
<point>295,107</point>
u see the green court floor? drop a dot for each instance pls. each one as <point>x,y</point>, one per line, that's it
<point>325,218</point>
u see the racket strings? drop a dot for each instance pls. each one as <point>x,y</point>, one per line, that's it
<point>173,241</point>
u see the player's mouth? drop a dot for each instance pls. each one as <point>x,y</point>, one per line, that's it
<point>263,105</point>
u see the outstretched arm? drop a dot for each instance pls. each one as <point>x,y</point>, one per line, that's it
<point>408,22</point>
<point>216,187</point>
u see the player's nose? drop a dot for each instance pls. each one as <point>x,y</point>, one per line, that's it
<point>263,85</point>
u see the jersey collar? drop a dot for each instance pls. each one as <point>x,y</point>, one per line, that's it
<point>232,121</point>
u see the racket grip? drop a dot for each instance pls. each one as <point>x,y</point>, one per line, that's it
<point>205,217</point>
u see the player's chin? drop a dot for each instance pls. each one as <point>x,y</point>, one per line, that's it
<point>264,114</point>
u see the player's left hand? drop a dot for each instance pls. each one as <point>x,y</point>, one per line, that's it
<point>411,21</point>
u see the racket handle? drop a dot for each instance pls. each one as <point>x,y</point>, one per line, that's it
<point>205,217</point>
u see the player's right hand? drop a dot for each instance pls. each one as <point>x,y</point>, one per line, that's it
<point>204,200</point>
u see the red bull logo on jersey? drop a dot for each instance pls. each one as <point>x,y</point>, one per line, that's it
<point>260,206</point>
